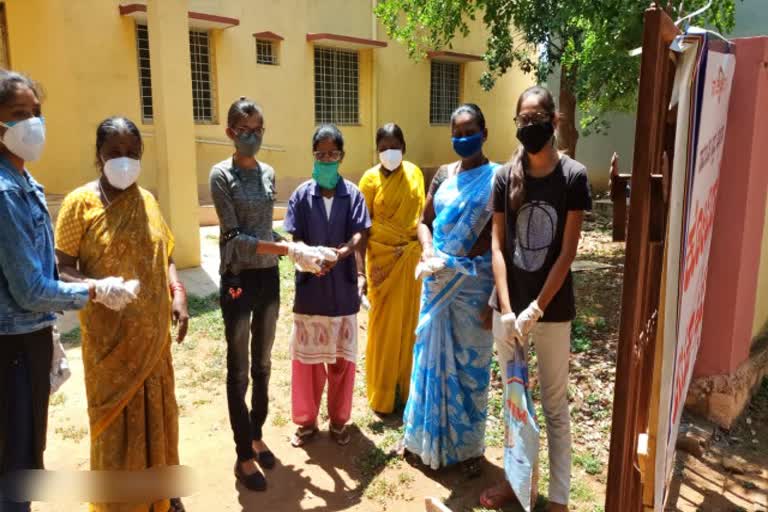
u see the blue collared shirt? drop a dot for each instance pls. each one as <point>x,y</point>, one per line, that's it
<point>334,294</point>
<point>30,293</point>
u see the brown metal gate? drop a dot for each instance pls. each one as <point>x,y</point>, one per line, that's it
<point>649,191</point>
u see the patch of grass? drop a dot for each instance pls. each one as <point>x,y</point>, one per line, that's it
<point>58,399</point>
<point>73,433</point>
<point>279,419</point>
<point>589,463</point>
<point>72,337</point>
<point>381,490</point>
<point>580,341</point>
<point>580,492</point>
<point>374,460</point>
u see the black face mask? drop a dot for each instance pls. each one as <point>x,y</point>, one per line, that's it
<point>535,136</point>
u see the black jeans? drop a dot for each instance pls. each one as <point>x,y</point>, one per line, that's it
<point>250,304</point>
<point>25,366</point>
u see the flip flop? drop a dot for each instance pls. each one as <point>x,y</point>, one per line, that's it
<point>341,436</point>
<point>497,496</point>
<point>303,435</point>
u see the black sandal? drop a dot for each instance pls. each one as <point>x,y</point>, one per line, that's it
<point>255,482</point>
<point>472,468</point>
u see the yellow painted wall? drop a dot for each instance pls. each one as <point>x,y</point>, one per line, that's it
<point>761,300</point>
<point>84,54</point>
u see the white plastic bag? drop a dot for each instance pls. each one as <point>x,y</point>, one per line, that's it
<point>59,365</point>
<point>521,443</point>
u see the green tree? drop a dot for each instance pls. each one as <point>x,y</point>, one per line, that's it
<point>587,41</point>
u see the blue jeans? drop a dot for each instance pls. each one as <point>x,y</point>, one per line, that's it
<point>25,362</point>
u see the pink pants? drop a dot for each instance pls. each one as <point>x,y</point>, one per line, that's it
<point>307,383</point>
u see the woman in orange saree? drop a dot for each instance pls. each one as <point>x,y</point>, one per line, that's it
<point>113,227</point>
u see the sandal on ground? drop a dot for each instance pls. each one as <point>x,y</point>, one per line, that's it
<point>265,459</point>
<point>340,435</point>
<point>254,482</point>
<point>472,468</point>
<point>497,496</point>
<point>303,435</point>
<point>177,505</point>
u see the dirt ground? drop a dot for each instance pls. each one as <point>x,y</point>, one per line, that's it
<point>366,475</point>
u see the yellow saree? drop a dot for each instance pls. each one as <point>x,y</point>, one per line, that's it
<point>395,203</point>
<point>127,354</point>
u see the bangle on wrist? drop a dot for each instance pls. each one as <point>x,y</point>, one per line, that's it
<point>179,287</point>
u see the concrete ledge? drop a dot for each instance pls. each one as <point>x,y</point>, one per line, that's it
<point>722,398</point>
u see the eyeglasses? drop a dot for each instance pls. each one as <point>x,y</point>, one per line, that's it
<point>532,118</point>
<point>244,131</point>
<point>330,156</point>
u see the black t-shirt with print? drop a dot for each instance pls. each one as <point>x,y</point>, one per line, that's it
<point>534,233</point>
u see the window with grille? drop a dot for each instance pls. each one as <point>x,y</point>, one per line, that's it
<point>145,73</point>
<point>202,76</point>
<point>266,52</point>
<point>336,86</point>
<point>443,91</point>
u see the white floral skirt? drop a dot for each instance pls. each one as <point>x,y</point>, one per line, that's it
<point>323,339</point>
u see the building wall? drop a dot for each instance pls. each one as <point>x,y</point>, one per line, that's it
<point>84,54</point>
<point>760,321</point>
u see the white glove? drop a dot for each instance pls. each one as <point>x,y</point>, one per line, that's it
<point>306,258</point>
<point>528,318</point>
<point>328,254</point>
<point>511,332</point>
<point>431,266</point>
<point>114,292</point>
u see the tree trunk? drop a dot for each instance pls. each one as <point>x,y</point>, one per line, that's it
<point>567,134</point>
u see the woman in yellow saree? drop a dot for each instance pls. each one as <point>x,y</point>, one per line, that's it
<point>113,227</point>
<point>394,193</point>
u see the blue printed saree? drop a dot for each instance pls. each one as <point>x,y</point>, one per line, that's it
<point>446,410</point>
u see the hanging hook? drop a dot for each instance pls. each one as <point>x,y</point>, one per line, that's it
<point>693,14</point>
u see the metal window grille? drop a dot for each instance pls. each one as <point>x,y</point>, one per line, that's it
<point>336,86</point>
<point>145,73</point>
<point>444,91</point>
<point>202,76</point>
<point>266,52</point>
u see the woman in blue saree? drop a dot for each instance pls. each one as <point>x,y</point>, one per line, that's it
<point>446,410</point>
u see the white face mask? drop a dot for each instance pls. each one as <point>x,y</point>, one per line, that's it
<point>391,159</point>
<point>122,172</point>
<point>25,139</point>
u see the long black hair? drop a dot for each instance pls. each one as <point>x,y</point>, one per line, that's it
<point>115,125</point>
<point>515,168</point>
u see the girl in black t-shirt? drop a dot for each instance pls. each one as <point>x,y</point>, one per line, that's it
<point>539,201</point>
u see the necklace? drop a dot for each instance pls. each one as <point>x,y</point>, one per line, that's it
<point>104,194</point>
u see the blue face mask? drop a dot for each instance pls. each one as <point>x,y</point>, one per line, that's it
<point>467,146</point>
<point>326,174</point>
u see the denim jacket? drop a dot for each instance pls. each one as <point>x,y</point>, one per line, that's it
<point>30,293</point>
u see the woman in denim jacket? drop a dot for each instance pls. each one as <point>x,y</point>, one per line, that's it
<point>30,292</point>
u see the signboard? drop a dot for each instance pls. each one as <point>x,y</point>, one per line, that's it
<point>702,92</point>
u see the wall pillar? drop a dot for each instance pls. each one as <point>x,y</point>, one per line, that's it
<point>174,126</point>
<point>734,260</point>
